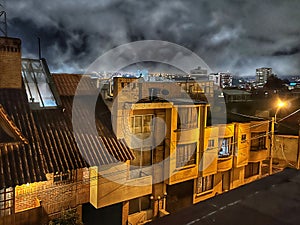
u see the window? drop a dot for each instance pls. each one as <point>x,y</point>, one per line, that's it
<point>141,165</point>
<point>6,201</point>
<point>38,83</point>
<point>225,147</point>
<point>244,137</point>
<point>186,155</point>
<point>142,124</point>
<point>258,141</point>
<point>139,204</point>
<point>251,169</point>
<point>205,184</point>
<point>211,143</point>
<point>62,177</point>
<point>187,118</point>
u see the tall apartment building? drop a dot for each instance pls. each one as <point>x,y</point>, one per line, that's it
<point>262,75</point>
<point>221,79</point>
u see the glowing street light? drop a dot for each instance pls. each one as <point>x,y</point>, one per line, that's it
<point>280,104</point>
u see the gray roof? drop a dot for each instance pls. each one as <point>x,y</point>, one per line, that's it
<point>235,92</point>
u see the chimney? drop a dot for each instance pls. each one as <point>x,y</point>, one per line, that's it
<point>10,63</point>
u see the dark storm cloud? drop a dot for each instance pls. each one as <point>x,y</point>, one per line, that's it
<point>228,34</point>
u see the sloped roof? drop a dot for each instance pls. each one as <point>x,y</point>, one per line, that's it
<point>9,128</point>
<point>52,145</point>
<point>100,149</point>
<point>67,84</point>
<point>21,163</point>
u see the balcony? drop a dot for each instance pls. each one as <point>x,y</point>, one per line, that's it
<point>187,135</point>
<point>258,155</point>
<point>224,164</point>
<point>106,191</point>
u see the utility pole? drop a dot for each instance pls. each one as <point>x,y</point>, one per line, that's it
<point>3,21</point>
<point>298,150</point>
<point>272,144</point>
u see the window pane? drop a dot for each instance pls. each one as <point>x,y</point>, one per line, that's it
<point>225,147</point>
<point>205,183</point>
<point>186,155</point>
<point>187,118</point>
<point>258,141</point>
<point>6,201</point>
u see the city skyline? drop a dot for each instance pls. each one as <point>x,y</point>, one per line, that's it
<point>235,36</point>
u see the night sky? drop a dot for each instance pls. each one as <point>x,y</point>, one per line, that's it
<point>229,35</point>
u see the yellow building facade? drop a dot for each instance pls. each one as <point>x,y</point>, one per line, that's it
<point>179,159</point>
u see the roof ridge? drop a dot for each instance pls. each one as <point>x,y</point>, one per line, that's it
<point>11,125</point>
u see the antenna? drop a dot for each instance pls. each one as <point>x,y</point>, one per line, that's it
<point>40,51</point>
<point>3,21</point>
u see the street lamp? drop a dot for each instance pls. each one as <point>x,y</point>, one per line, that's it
<point>280,104</point>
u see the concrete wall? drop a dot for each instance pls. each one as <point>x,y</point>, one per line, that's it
<point>113,186</point>
<point>286,150</point>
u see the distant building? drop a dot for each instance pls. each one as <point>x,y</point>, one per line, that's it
<point>199,74</point>
<point>262,74</point>
<point>222,80</point>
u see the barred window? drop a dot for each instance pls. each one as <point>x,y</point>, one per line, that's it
<point>62,177</point>
<point>6,201</point>
<point>258,141</point>
<point>205,184</point>
<point>186,155</point>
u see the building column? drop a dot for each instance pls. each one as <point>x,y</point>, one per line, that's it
<point>125,211</point>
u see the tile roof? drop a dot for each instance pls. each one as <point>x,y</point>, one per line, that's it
<point>9,129</point>
<point>66,84</point>
<point>21,163</point>
<point>100,149</point>
<point>52,145</point>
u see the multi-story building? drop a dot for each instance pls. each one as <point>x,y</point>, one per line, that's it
<point>222,79</point>
<point>262,74</point>
<point>199,74</point>
<point>145,153</point>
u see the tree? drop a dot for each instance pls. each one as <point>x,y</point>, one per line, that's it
<point>68,217</point>
<point>274,83</point>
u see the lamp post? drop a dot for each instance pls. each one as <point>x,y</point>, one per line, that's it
<point>280,104</point>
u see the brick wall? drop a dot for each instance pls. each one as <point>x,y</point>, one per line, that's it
<point>10,63</point>
<point>53,197</point>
